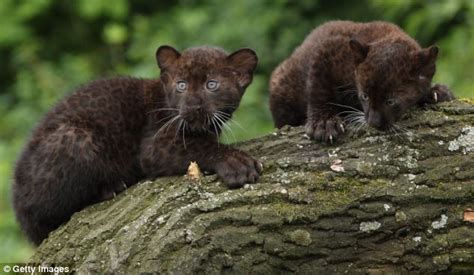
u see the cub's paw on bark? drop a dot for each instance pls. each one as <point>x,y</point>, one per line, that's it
<point>325,130</point>
<point>237,168</point>
<point>110,191</point>
<point>439,93</point>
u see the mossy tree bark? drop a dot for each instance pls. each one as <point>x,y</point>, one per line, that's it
<point>373,202</point>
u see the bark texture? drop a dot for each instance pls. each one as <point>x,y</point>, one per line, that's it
<point>372,203</point>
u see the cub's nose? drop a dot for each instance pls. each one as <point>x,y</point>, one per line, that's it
<point>194,113</point>
<point>376,121</point>
<point>194,109</point>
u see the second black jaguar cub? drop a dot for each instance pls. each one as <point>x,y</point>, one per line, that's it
<point>369,73</point>
<point>111,133</point>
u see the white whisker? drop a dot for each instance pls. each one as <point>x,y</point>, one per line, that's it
<point>162,109</point>
<point>215,129</point>
<point>166,126</point>
<point>344,106</point>
<point>224,124</point>
<point>221,124</point>
<point>229,119</point>
<point>178,128</point>
<point>184,130</point>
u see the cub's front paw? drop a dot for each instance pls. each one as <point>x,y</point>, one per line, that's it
<point>440,93</point>
<point>237,168</point>
<point>325,130</point>
<point>111,191</point>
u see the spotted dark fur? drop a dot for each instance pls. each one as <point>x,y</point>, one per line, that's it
<point>374,67</point>
<point>109,134</point>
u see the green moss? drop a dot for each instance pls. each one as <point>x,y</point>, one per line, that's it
<point>436,244</point>
<point>293,213</point>
<point>331,201</point>
<point>469,100</point>
<point>341,183</point>
<point>441,260</point>
<point>301,237</point>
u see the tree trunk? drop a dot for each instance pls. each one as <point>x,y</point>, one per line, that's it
<point>372,203</point>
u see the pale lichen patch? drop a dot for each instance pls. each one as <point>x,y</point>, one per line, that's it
<point>249,186</point>
<point>400,216</point>
<point>465,142</point>
<point>411,177</point>
<point>409,161</point>
<point>375,139</point>
<point>336,166</point>
<point>441,223</point>
<point>333,153</point>
<point>284,162</point>
<point>369,226</point>
<point>160,220</point>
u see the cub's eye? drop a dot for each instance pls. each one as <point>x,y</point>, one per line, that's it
<point>365,97</point>
<point>390,102</point>
<point>212,85</point>
<point>181,86</point>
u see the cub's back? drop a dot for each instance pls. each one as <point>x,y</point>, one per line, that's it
<point>107,105</point>
<point>342,32</point>
<point>326,42</point>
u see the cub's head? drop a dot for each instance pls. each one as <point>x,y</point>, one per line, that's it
<point>204,85</point>
<point>391,77</point>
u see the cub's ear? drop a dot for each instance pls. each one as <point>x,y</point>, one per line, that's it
<point>424,62</point>
<point>359,49</point>
<point>244,62</point>
<point>166,56</point>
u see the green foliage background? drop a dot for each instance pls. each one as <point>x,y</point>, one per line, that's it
<point>49,47</point>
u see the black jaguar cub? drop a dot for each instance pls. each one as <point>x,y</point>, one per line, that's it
<point>111,133</point>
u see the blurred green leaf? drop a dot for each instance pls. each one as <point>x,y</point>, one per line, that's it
<point>115,33</point>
